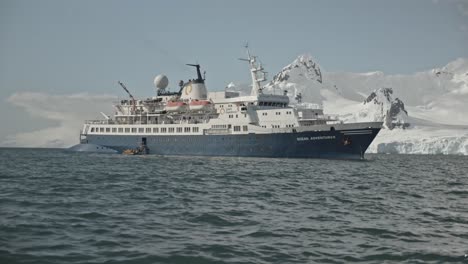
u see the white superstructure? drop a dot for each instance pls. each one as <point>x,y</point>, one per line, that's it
<point>195,111</point>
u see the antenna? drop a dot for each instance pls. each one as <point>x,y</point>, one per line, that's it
<point>247,48</point>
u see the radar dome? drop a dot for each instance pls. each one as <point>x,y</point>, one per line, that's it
<point>161,81</point>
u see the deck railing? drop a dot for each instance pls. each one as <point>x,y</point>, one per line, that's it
<point>100,122</point>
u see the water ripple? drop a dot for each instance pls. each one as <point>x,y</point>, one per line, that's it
<point>60,207</point>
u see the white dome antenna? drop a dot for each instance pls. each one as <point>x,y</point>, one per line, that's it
<point>161,81</point>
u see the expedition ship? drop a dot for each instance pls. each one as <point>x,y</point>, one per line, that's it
<point>194,121</point>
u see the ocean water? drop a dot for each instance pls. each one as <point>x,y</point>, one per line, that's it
<point>62,207</point>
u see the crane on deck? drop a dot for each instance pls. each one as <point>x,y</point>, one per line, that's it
<point>131,97</point>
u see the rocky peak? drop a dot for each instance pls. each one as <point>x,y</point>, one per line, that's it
<point>303,66</point>
<point>380,95</point>
<point>391,111</point>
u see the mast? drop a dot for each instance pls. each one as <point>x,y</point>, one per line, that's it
<point>256,71</point>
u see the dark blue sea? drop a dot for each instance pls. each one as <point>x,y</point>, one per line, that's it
<point>63,207</point>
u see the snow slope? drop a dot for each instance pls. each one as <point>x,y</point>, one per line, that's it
<point>439,95</point>
<point>423,113</point>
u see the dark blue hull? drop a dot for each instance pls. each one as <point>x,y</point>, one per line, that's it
<point>309,144</point>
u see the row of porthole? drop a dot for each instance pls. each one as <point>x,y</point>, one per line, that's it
<point>154,131</point>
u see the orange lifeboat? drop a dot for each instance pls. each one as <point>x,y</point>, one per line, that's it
<point>199,105</point>
<point>175,106</point>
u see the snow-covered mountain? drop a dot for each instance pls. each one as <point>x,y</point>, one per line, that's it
<point>303,76</point>
<point>438,95</point>
<point>380,106</point>
<point>424,112</point>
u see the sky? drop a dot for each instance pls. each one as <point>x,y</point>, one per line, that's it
<point>64,48</point>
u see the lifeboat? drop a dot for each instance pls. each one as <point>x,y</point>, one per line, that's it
<point>175,106</point>
<point>200,105</point>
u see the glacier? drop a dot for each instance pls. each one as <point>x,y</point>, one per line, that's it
<point>421,140</point>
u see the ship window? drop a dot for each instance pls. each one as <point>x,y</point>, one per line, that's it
<point>134,130</point>
<point>245,128</point>
<point>141,130</point>
<point>107,129</point>
<point>114,130</point>
<point>101,129</point>
<point>155,129</point>
<point>163,130</point>
<point>187,129</point>
<point>237,128</point>
<point>148,130</point>
<point>171,130</point>
<point>237,116</point>
<point>92,129</point>
<point>127,130</point>
<point>179,130</point>
<point>120,130</point>
<point>195,129</point>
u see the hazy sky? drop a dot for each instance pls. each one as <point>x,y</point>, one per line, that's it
<point>65,47</point>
